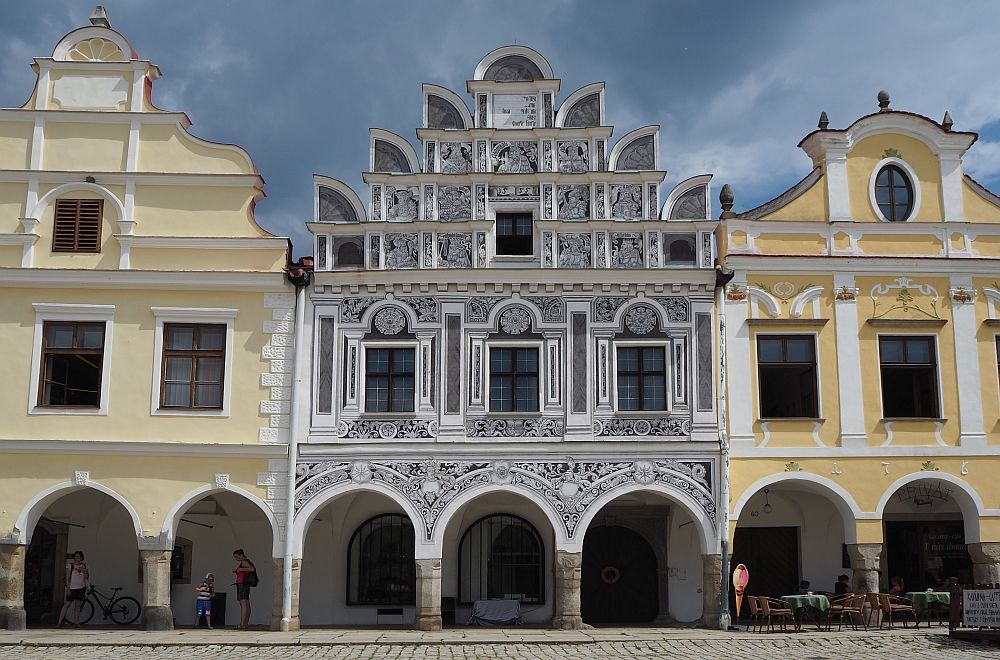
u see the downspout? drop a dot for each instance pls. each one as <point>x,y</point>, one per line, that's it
<point>721,279</point>
<point>300,278</point>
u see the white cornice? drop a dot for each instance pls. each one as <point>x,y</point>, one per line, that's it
<point>94,116</point>
<point>910,451</point>
<point>925,266</point>
<point>357,228</point>
<point>514,134</point>
<point>141,178</point>
<point>65,278</point>
<point>535,178</point>
<point>594,281</point>
<point>143,448</point>
<point>18,239</point>
<point>204,242</point>
<point>596,450</point>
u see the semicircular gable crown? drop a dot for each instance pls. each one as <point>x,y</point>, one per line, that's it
<point>514,68</point>
<point>584,113</point>
<point>335,207</point>
<point>441,113</point>
<point>638,155</point>
<point>390,158</point>
<point>691,205</point>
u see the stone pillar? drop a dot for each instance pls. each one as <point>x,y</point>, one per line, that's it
<point>12,587</point>
<point>985,562</point>
<point>567,600</point>
<point>865,566</point>
<point>278,571</point>
<point>428,594</point>
<point>156,613</point>
<point>711,590</point>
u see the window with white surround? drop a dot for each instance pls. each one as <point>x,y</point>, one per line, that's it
<point>786,376</point>
<point>192,361</point>
<point>642,378</point>
<point>390,379</point>
<point>514,379</point>
<point>71,359</point>
<point>909,376</point>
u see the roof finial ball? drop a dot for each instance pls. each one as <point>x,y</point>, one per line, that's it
<point>947,123</point>
<point>883,101</point>
<point>824,122</point>
<point>726,199</point>
<point>99,17</point>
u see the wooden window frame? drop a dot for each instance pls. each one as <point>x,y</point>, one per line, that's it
<point>194,353</point>
<point>933,367</point>
<point>46,351</point>
<point>76,208</point>
<point>891,168</point>
<point>785,363</point>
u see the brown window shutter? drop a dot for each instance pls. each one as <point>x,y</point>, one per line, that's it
<point>78,225</point>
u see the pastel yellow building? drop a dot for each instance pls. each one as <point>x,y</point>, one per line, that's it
<point>145,320</point>
<point>861,336</point>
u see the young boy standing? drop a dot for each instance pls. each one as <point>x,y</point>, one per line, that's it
<point>203,599</point>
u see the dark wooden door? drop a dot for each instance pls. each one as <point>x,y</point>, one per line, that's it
<point>619,577</point>
<point>43,584</point>
<point>771,555</point>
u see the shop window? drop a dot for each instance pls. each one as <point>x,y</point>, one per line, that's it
<point>515,234</point>
<point>894,193</point>
<point>513,379</point>
<point>642,378</point>
<point>501,557</point>
<point>389,379</point>
<point>909,377</point>
<point>380,562</point>
<point>72,361</point>
<point>786,373</point>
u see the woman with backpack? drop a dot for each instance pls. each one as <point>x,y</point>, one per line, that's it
<point>246,577</point>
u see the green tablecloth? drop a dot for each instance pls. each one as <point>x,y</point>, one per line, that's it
<point>818,601</point>
<point>921,599</point>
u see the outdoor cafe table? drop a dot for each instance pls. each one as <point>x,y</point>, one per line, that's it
<point>800,602</point>
<point>922,599</point>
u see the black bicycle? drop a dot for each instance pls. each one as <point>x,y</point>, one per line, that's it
<point>123,610</point>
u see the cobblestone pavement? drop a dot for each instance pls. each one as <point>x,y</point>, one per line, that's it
<point>512,645</point>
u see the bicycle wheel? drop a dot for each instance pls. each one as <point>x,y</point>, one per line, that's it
<point>86,612</point>
<point>125,610</point>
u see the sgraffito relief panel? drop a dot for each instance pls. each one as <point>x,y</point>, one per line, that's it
<point>374,250</point>
<point>428,203</point>
<point>605,307</point>
<point>574,156</point>
<point>455,203</point>
<point>334,207</point>
<point>626,250</point>
<point>376,203</point>
<point>691,205</point>
<point>480,201</point>
<point>574,250</point>
<point>442,114</point>
<point>573,201</point>
<point>639,154</point>
<point>514,193</point>
<point>456,157</point>
<point>401,250</point>
<point>626,201</point>
<point>402,203</point>
<point>453,365</point>
<point>579,363</point>
<point>585,112</point>
<point>454,250</point>
<point>429,164</point>
<point>703,333</point>
<point>324,388</point>
<point>519,157</point>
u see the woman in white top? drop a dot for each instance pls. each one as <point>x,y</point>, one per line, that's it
<point>77,579</point>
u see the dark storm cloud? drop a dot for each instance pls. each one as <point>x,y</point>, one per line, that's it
<point>734,86</point>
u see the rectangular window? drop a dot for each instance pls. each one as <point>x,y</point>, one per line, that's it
<point>77,225</point>
<point>515,234</point>
<point>72,360</point>
<point>514,380</point>
<point>642,378</point>
<point>389,379</point>
<point>193,360</point>
<point>786,373</point>
<point>909,377</point>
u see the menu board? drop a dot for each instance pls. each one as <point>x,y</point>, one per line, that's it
<point>981,608</point>
<point>515,110</point>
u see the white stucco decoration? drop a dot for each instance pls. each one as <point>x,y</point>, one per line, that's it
<point>799,303</point>
<point>83,92</point>
<point>766,300</point>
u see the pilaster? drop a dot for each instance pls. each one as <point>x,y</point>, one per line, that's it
<point>567,601</point>
<point>156,612</point>
<point>428,615</point>
<point>852,417</point>
<point>865,565</point>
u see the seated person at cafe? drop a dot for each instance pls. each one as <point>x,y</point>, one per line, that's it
<point>804,587</point>
<point>842,587</point>
<point>896,587</point>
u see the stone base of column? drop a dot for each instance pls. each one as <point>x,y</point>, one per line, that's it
<point>278,567</point>
<point>865,566</point>
<point>985,562</point>
<point>567,592</point>
<point>428,595</point>
<point>157,617</point>
<point>12,615</point>
<point>711,590</point>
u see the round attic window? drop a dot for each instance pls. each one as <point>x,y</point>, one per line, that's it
<point>894,193</point>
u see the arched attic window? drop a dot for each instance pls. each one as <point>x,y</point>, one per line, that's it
<point>894,193</point>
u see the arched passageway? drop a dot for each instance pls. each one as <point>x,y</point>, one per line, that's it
<point>618,578</point>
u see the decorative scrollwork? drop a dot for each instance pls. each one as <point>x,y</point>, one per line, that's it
<point>352,309</point>
<point>425,307</point>
<point>658,426</point>
<point>386,429</point>
<point>515,428</point>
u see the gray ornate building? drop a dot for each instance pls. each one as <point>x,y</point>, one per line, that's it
<point>514,374</point>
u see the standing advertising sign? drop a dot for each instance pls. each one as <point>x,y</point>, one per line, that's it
<point>741,576</point>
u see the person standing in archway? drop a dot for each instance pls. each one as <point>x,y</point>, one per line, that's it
<point>77,580</point>
<point>246,577</point>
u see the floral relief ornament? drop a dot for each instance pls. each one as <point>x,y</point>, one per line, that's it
<point>640,320</point>
<point>390,321</point>
<point>515,320</point>
<point>846,294</point>
<point>962,295</point>
<point>735,293</point>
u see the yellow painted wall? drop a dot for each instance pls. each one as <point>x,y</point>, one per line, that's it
<point>107,259</point>
<point>88,147</point>
<point>10,256</point>
<point>195,211</point>
<point>168,148</point>
<point>867,153</point>
<point>775,243</point>
<point>12,198</point>
<point>810,205</point>
<point>987,246</point>
<point>204,259</point>
<point>976,208</point>
<point>131,369</point>
<point>15,144</point>
<point>151,484</point>
<point>900,244</point>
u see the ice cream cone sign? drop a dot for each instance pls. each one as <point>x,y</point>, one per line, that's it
<point>740,578</point>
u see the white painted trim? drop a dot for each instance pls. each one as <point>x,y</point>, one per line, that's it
<point>199,315</point>
<point>933,333</point>
<point>915,185</point>
<point>170,521</point>
<point>969,502</point>
<point>912,451</point>
<point>812,294</point>
<point>70,312</point>
<point>204,242</point>
<point>819,380</point>
<point>65,44</point>
<point>530,53</point>
<point>214,180</point>
<point>24,527</point>
<point>627,139</point>
<point>376,344</point>
<point>204,448</point>
<point>992,301</point>
<point>543,379</point>
<point>969,386</point>
<point>836,494</point>
<point>85,116</point>
<point>769,302</point>
<point>360,207</point>
<point>66,278</point>
<point>666,343</point>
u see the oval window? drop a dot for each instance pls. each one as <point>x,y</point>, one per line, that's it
<point>894,193</point>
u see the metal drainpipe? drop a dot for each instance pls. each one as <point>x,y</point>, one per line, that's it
<point>293,448</point>
<point>723,278</point>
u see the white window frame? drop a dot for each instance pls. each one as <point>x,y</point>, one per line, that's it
<point>914,184</point>
<point>76,313</point>
<point>363,379</point>
<point>197,315</point>
<point>668,373</point>
<point>539,346</point>
<point>819,375</point>
<point>937,373</point>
